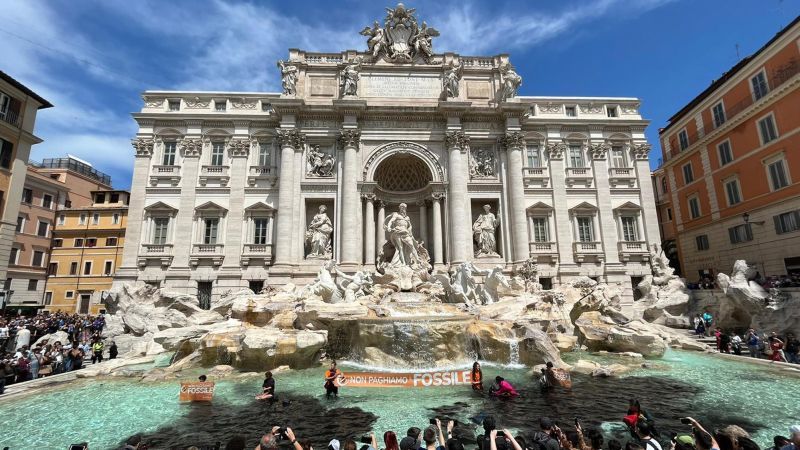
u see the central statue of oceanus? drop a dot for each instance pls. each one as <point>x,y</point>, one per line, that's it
<point>401,39</point>
<point>402,258</point>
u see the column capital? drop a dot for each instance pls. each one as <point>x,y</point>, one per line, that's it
<point>238,148</point>
<point>438,196</point>
<point>368,197</point>
<point>143,147</point>
<point>598,150</point>
<point>290,138</point>
<point>420,202</point>
<point>555,150</point>
<point>191,147</point>
<point>641,150</point>
<point>513,139</point>
<point>350,137</point>
<point>456,139</point>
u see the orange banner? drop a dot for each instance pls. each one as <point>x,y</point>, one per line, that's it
<point>196,391</point>
<point>411,379</point>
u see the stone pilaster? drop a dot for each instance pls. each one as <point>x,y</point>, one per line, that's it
<point>641,152</point>
<point>423,222</point>
<point>605,215</point>
<point>514,143</point>
<point>380,233</point>
<point>191,148</point>
<point>369,233</point>
<point>460,234</point>
<point>290,140</point>
<point>350,138</point>
<point>438,242</point>
<point>238,149</point>
<point>128,270</point>
<point>563,231</point>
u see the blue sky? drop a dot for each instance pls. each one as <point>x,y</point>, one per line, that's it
<point>93,58</point>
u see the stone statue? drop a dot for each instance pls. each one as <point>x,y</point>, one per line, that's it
<point>318,235</point>
<point>401,39</point>
<point>481,163</point>
<point>319,163</point>
<point>355,286</point>
<point>401,236</point>
<point>324,286</point>
<point>288,77</point>
<point>511,82</point>
<point>377,39</point>
<point>740,283</point>
<point>422,42</point>
<point>451,80</point>
<point>484,232</point>
<point>462,284</point>
<point>493,279</point>
<point>349,76</point>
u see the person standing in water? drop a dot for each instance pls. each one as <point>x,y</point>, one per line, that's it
<point>330,381</point>
<point>477,377</point>
<point>268,387</point>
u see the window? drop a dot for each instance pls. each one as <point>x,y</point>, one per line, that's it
<point>611,111</point>
<point>570,111</point>
<point>702,242</point>
<point>669,214</point>
<point>777,175</point>
<point>694,207</point>
<point>174,105</point>
<point>91,242</point>
<point>52,269</point>
<point>575,156</point>
<point>111,242</point>
<point>27,196</point>
<point>540,229</point>
<point>217,151</point>
<point>629,229</point>
<point>725,153</point>
<point>210,229</point>
<point>534,156</point>
<point>20,224</point>
<point>58,243</point>
<point>6,153</point>
<point>108,268</point>
<point>220,105</point>
<point>113,198</point>
<point>170,149</point>
<point>664,186</point>
<point>100,197</point>
<point>78,242</point>
<point>740,233</point>
<point>787,222</point>
<point>115,218</point>
<point>618,157</point>
<point>62,219</point>
<point>688,174</point>
<point>33,284</point>
<point>732,192</point>
<point>12,259</point>
<point>73,268</point>
<point>264,159</point>
<point>759,85</point>
<point>160,225</point>
<point>83,219</point>
<point>87,268</point>
<point>95,218</point>
<point>48,298</point>
<point>547,283</point>
<point>718,111</point>
<point>69,294</point>
<point>47,201</point>
<point>260,231</point>
<point>42,229</point>
<point>38,258</point>
<point>767,130</point>
<point>585,231</point>
<point>683,140</point>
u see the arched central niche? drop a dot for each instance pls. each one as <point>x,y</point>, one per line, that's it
<point>425,157</point>
<point>402,172</point>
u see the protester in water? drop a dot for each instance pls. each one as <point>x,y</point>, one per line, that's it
<point>477,377</point>
<point>544,381</point>
<point>268,386</point>
<point>202,378</point>
<point>330,381</point>
<point>504,388</point>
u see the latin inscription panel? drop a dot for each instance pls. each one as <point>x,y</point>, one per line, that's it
<point>400,86</point>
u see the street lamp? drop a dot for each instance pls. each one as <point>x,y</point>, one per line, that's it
<point>746,218</point>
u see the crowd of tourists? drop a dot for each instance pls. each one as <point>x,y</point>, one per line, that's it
<point>550,436</point>
<point>769,282</point>
<point>26,356</point>
<point>758,345</point>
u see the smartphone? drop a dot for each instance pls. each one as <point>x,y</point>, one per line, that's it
<point>577,422</point>
<point>433,421</point>
<point>366,440</point>
<point>78,447</point>
<point>685,421</point>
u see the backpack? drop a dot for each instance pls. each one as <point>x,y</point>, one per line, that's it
<point>540,441</point>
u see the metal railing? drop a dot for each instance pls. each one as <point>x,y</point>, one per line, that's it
<point>11,117</point>
<point>73,165</point>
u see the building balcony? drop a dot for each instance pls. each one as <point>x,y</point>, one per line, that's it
<point>260,173</point>
<point>633,250</point>
<point>261,252</point>
<point>212,252</point>
<point>536,176</point>
<point>162,253</point>
<point>584,251</point>
<point>165,174</point>
<point>579,176</point>
<point>622,176</point>
<point>215,175</point>
<point>10,117</point>
<point>543,250</point>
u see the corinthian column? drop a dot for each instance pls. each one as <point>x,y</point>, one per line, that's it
<point>133,243</point>
<point>369,233</point>
<point>349,138</point>
<point>290,141</point>
<point>457,143</point>
<point>514,143</point>
<point>238,149</point>
<point>438,244</point>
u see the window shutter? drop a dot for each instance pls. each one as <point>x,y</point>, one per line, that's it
<point>777,220</point>
<point>748,232</point>
<point>732,234</point>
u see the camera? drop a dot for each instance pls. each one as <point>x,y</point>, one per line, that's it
<point>367,439</point>
<point>78,447</point>
<point>281,434</point>
<point>433,421</point>
<point>686,421</point>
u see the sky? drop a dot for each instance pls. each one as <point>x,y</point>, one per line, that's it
<point>93,58</point>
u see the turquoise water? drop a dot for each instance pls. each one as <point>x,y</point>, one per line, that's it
<point>106,411</point>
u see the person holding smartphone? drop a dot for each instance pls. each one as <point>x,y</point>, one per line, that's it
<point>702,438</point>
<point>433,435</point>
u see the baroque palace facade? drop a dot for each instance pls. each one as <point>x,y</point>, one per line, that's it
<point>238,189</point>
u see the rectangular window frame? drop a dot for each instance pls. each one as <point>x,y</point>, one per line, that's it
<point>260,233</point>
<point>688,176</point>
<point>694,212</point>
<point>718,114</point>
<point>583,228</point>
<point>169,153</point>
<point>217,153</point>
<point>13,256</point>
<point>701,242</point>
<point>618,158</point>
<point>160,230</point>
<point>570,110</point>
<point>540,228</point>
<point>41,255</point>
<point>725,152</point>
<point>787,222</point>
<point>264,153</point>
<point>78,243</point>
<point>210,230</point>
<point>27,196</point>
<point>74,266</point>
<point>683,139</point>
<point>62,219</point>
<point>48,298</point>
<point>47,201</point>
<point>111,242</point>
<point>733,190</point>
<point>774,129</point>
<point>629,225</point>
<point>612,111</point>
<point>33,285</point>
<point>87,268</point>
<point>95,218</point>
<point>577,159</point>
<point>46,228</point>
<point>108,268</point>
<point>760,90</point>
<point>69,294</point>
<point>740,233</point>
<point>533,155</point>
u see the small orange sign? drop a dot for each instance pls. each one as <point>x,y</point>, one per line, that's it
<point>197,391</point>
<point>411,379</point>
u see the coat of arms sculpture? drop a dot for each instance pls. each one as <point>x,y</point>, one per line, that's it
<point>401,39</point>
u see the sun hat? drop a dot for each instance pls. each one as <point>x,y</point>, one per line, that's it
<point>685,439</point>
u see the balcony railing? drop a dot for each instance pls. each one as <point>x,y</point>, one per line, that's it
<point>11,117</point>
<point>162,170</point>
<point>587,247</point>
<point>257,249</point>
<point>219,173</point>
<point>172,174</point>
<point>622,172</point>
<point>260,173</point>
<point>579,174</point>
<point>157,249</point>
<point>633,246</point>
<point>536,174</point>
<point>208,249</point>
